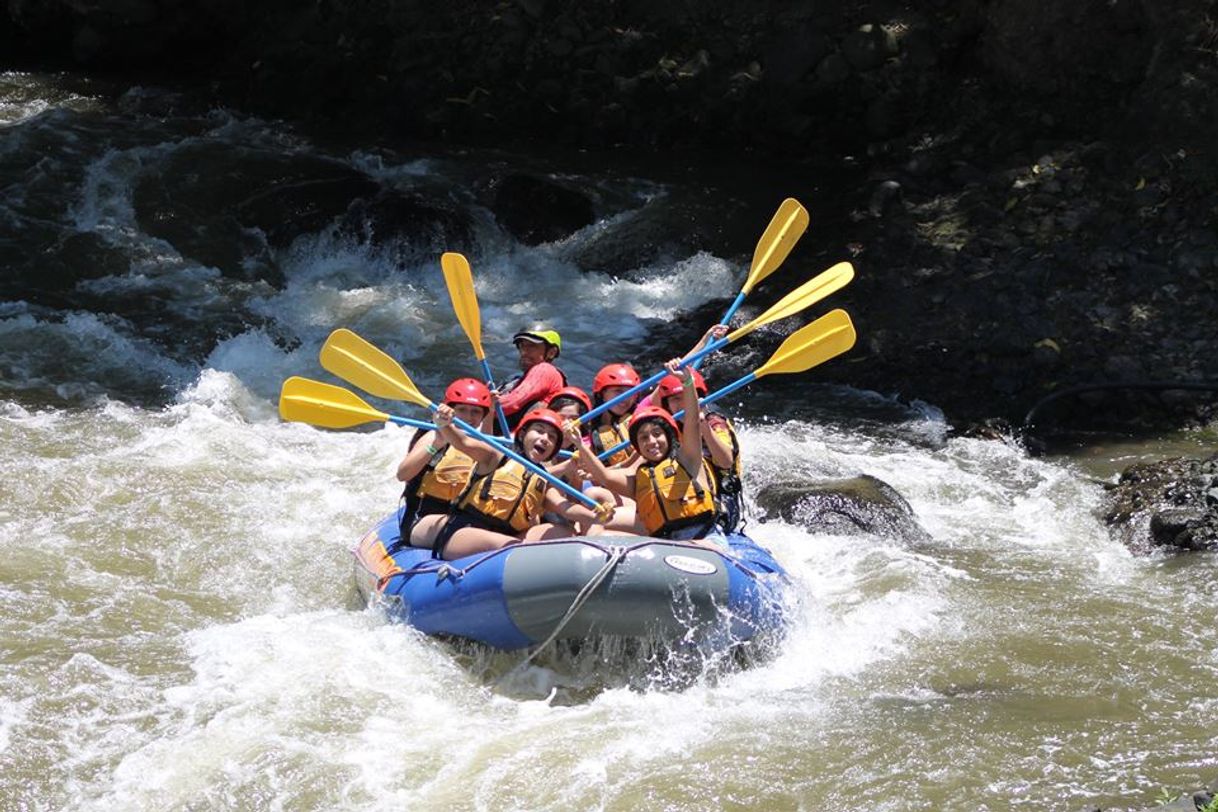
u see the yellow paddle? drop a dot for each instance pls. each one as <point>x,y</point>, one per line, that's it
<point>359,362</point>
<point>806,295</point>
<point>356,361</point>
<point>785,228</point>
<point>813,344</point>
<point>460,282</point>
<point>302,400</point>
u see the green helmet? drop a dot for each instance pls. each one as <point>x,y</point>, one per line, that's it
<point>540,336</point>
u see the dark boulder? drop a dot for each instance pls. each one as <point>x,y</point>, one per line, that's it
<point>232,208</point>
<point>221,205</point>
<point>862,505</point>
<point>1170,503</point>
<point>538,210</point>
<point>417,225</point>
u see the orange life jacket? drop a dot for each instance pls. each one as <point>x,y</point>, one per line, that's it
<point>667,498</point>
<point>508,499</point>
<point>445,476</point>
<point>609,435</point>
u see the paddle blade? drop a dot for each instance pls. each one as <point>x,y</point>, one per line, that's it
<point>785,228</point>
<point>804,296</point>
<point>356,361</point>
<point>460,281</point>
<point>827,337</point>
<point>321,404</point>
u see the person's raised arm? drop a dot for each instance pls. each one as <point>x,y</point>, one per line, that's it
<point>484,455</point>
<point>715,332</point>
<point>690,453</point>
<point>618,480</point>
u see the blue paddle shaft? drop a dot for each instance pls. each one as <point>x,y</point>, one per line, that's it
<point>731,311</point>
<point>711,398</point>
<point>725,321</point>
<point>423,424</point>
<point>652,381</point>
<point>490,381</point>
<point>527,463</point>
<point>406,421</point>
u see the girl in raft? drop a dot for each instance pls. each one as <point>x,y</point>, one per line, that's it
<point>720,446</point>
<point>433,471</point>
<point>503,502</point>
<point>673,486</point>
<point>612,427</point>
<point>571,403</point>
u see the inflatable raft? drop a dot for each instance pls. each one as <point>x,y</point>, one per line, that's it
<point>530,594</point>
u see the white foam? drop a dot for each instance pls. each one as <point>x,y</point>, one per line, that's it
<point>76,352</point>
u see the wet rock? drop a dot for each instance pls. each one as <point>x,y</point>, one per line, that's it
<point>887,194</point>
<point>832,70</point>
<point>884,116</point>
<point>664,230</point>
<point>920,48</point>
<point>417,225</point>
<point>216,204</point>
<point>537,210</point>
<point>1166,504</point>
<point>866,48</point>
<point>791,55</point>
<point>862,505</point>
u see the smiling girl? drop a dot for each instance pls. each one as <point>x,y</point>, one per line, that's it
<point>504,501</point>
<point>673,486</point>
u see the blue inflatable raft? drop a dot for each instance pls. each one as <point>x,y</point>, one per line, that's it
<point>578,588</point>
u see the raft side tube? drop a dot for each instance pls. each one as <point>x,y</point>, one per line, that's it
<point>654,589</point>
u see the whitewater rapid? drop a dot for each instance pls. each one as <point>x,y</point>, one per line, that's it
<point>179,628</point>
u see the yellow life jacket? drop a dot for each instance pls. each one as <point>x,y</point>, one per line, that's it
<point>509,499</point>
<point>608,435</point>
<point>667,498</point>
<point>445,476</point>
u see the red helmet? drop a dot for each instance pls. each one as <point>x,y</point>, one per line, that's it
<point>469,391</point>
<point>547,416</point>
<point>671,385</point>
<point>615,375</point>
<point>653,413</point>
<point>573,392</point>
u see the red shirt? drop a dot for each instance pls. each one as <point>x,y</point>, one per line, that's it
<point>541,381</point>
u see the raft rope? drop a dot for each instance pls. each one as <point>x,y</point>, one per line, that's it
<point>616,554</point>
<point>445,568</point>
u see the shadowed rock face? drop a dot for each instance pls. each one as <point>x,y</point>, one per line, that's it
<point>1169,503</point>
<point>224,207</point>
<point>535,210</point>
<point>1026,187</point>
<point>862,505</point>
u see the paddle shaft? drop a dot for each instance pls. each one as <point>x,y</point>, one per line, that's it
<point>652,381</point>
<point>527,463</point>
<point>490,382</point>
<point>725,321</point>
<point>731,311</point>
<point>711,398</point>
<point>407,421</point>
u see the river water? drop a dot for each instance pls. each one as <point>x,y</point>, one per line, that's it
<point>179,628</point>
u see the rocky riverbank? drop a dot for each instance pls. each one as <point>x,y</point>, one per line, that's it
<point>1027,190</point>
